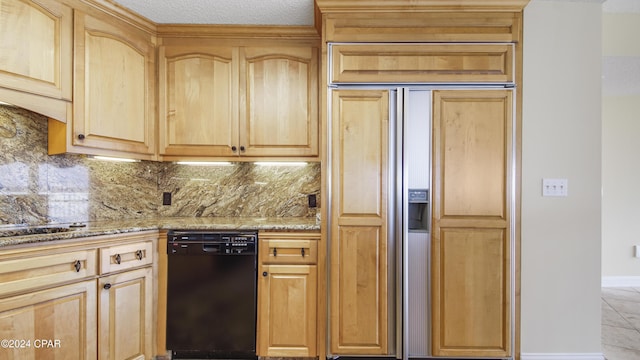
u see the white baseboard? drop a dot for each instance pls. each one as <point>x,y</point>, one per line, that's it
<point>621,281</point>
<point>562,356</point>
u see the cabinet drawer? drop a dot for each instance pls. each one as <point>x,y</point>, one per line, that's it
<point>124,257</point>
<point>288,251</point>
<point>17,275</point>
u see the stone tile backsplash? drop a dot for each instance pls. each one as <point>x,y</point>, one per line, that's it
<point>36,188</point>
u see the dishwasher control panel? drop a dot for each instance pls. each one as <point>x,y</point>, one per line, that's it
<point>211,243</point>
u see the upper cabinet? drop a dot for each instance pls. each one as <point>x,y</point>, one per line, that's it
<point>198,95</point>
<point>279,116</point>
<point>114,92</point>
<point>36,55</point>
<point>220,100</point>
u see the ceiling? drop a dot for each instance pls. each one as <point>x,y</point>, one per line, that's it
<point>238,12</point>
<point>261,12</point>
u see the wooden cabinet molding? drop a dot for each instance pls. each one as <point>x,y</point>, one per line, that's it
<point>420,20</point>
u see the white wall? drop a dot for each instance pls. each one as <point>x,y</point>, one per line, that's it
<point>561,237</point>
<point>620,145</point>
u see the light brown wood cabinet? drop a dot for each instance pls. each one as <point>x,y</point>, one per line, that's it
<point>475,220</point>
<point>57,303</point>
<point>287,289</point>
<point>232,102</point>
<point>124,317</point>
<point>53,323</point>
<point>358,259</point>
<point>36,40</point>
<point>412,63</point>
<point>125,301</point>
<point>114,91</point>
<point>472,214</point>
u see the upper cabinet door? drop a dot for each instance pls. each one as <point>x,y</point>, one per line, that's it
<point>36,47</point>
<point>114,87</point>
<point>198,101</point>
<point>279,101</point>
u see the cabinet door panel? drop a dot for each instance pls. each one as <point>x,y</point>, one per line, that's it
<point>35,47</point>
<point>198,95</point>
<point>280,116</point>
<point>471,239</point>
<point>65,315</point>
<point>287,325</point>
<point>359,314</point>
<point>114,87</point>
<point>125,309</point>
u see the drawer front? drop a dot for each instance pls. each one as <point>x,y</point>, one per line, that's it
<point>124,257</point>
<point>18,275</point>
<point>288,251</point>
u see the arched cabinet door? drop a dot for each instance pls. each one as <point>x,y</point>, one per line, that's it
<point>198,100</point>
<point>279,114</point>
<point>114,93</point>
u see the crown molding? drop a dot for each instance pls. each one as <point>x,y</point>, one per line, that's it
<point>238,31</point>
<point>420,5</point>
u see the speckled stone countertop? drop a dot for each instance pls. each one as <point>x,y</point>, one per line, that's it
<point>14,235</point>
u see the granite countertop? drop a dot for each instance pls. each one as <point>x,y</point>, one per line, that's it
<point>15,235</point>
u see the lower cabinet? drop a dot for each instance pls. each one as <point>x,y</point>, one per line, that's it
<point>124,318</point>
<point>92,299</point>
<point>287,294</point>
<point>56,323</point>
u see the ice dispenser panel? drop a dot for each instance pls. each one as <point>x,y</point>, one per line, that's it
<point>418,210</point>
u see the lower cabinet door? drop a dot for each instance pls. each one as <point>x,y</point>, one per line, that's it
<point>124,315</point>
<point>57,323</point>
<point>287,310</point>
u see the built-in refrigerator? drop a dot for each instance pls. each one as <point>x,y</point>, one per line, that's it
<point>409,217</point>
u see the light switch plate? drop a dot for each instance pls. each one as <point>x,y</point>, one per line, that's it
<point>555,187</point>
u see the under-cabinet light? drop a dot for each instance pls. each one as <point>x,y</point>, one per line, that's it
<point>205,163</point>
<point>281,163</point>
<point>109,158</point>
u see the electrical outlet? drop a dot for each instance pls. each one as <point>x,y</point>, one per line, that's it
<point>312,200</point>
<point>166,198</point>
<point>555,187</point>
<point>636,251</point>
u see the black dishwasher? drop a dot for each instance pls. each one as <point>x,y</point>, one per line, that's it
<point>211,294</point>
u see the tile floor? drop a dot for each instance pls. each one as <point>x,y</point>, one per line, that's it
<point>621,323</point>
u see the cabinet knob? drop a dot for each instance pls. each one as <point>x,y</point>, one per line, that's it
<point>242,148</point>
<point>107,286</point>
<point>80,136</point>
<point>139,254</point>
<point>118,259</point>
<point>302,251</point>
<point>77,265</point>
<point>275,251</point>
<point>234,148</point>
<point>264,273</point>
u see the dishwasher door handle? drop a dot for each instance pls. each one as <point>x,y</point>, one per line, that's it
<point>211,248</point>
